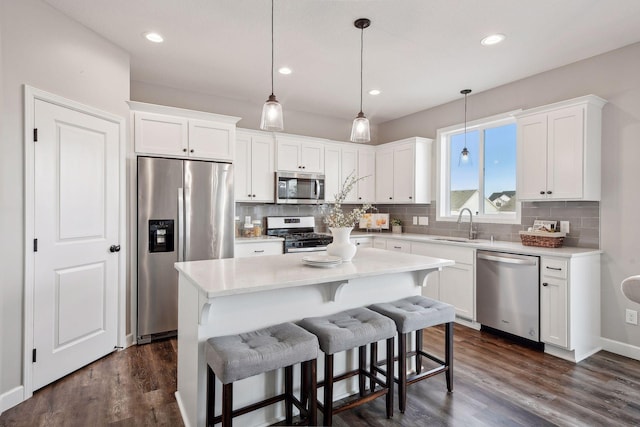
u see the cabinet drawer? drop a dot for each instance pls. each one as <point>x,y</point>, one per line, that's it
<point>244,250</point>
<point>554,268</point>
<point>398,245</point>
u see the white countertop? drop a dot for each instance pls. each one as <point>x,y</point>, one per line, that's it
<point>511,247</point>
<point>234,276</point>
<point>260,239</point>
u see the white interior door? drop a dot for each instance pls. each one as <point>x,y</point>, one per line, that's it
<point>76,221</point>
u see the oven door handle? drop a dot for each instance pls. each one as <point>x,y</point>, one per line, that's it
<point>311,249</point>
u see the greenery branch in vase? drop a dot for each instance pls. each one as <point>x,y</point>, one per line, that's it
<point>341,223</point>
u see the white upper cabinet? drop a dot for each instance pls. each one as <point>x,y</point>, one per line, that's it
<point>559,151</point>
<point>403,171</point>
<point>344,159</point>
<point>254,178</point>
<point>298,154</point>
<point>175,132</point>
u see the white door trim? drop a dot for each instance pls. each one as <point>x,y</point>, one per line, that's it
<point>32,94</point>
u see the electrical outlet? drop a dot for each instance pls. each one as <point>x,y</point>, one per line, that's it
<point>632,317</point>
<point>564,226</point>
<point>415,220</point>
<point>423,220</point>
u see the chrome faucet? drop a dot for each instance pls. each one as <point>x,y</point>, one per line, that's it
<point>472,233</point>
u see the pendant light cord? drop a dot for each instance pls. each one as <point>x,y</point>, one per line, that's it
<point>465,120</point>
<point>272,55</point>
<point>361,63</point>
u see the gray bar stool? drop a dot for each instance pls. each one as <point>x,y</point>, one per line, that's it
<point>414,314</point>
<point>345,331</point>
<point>235,357</point>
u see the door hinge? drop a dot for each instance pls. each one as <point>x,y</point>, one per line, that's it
<point>35,245</point>
<point>35,135</point>
<point>33,355</point>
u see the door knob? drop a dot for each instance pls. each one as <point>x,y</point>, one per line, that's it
<point>114,248</point>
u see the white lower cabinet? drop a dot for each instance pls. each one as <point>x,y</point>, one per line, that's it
<point>398,245</point>
<point>249,248</point>
<point>454,285</point>
<point>362,242</point>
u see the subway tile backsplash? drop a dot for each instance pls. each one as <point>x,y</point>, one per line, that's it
<point>584,218</point>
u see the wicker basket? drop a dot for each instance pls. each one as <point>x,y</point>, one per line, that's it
<point>542,239</point>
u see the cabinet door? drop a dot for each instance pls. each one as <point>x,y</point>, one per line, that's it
<point>403,174</point>
<point>262,169</point>
<point>211,140</point>
<point>532,158</point>
<point>349,165</point>
<point>379,243</point>
<point>456,288</point>
<point>367,170</point>
<point>159,134</point>
<point>332,176</point>
<point>288,156</point>
<point>384,176</point>
<point>553,311</point>
<point>565,153</point>
<point>242,168</point>
<point>312,157</point>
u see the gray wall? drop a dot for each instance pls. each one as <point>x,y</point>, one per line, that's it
<point>613,76</point>
<point>45,49</point>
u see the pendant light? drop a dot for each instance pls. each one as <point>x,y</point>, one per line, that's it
<point>464,154</point>
<point>272,110</point>
<point>360,130</point>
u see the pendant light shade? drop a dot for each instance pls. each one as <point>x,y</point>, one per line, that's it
<point>465,155</point>
<point>360,131</point>
<point>272,119</point>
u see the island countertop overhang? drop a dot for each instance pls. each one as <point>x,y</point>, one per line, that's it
<point>233,276</point>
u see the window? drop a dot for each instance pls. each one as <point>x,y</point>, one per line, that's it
<point>484,181</point>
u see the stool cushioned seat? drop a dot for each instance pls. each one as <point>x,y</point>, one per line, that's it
<point>349,329</point>
<point>236,357</point>
<point>415,313</point>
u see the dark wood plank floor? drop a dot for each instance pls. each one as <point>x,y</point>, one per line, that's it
<point>497,383</point>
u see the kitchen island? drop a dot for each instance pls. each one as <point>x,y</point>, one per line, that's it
<point>229,296</point>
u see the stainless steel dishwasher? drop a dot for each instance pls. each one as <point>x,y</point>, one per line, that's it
<point>508,293</point>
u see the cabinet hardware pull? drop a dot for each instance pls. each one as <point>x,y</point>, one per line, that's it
<point>397,247</point>
<point>553,268</point>
<point>191,151</point>
<point>410,197</point>
<point>248,195</point>
<point>114,248</point>
<point>184,150</point>
<point>549,192</point>
<point>259,252</point>
<point>545,284</point>
<point>390,198</point>
<point>253,195</point>
<point>542,192</point>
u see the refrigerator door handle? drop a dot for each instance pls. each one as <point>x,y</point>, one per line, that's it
<point>180,225</point>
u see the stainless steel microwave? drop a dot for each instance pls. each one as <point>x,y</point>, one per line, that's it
<point>299,188</point>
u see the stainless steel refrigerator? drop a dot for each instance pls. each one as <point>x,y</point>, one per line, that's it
<point>185,213</point>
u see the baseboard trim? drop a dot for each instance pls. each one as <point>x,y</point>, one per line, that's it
<point>11,398</point>
<point>621,348</point>
<point>129,341</point>
<point>183,413</point>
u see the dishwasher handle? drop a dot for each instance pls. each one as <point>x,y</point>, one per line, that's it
<point>509,259</point>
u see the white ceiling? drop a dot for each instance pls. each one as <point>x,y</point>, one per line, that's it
<point>419,53</point>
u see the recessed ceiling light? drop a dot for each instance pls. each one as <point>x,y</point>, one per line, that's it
<point>284,70</point>
<point>492,39</point>
<point>153,37</point>
<point>374,92</point>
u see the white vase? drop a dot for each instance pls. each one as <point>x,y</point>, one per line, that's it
<point>341,246</point>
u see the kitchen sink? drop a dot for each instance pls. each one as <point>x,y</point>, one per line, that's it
<point>454,239</point>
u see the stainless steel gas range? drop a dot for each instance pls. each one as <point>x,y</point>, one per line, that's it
<point>298,233</point>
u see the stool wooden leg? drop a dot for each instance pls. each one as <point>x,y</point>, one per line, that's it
<point>304,383</point>
<point>313,393</point>
<point>449,355</point>
<point>288,394</point>
<point>418,348</point>
<point>362,366</point>
<point>211,396</point>
<point>227,404</point>
<point>373,361</point>
<point>390,379</point>
<point>402,371</point>
<point>328,390</point>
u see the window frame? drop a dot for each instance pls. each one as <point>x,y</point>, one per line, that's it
<point>443,161</point>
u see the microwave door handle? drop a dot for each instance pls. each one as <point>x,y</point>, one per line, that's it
<point>317,189</point>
